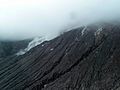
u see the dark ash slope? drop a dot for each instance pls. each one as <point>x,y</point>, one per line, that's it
<point>76,60</point>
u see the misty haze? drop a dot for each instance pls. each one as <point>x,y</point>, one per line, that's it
<point>59,45</point>
<point>20,19</point>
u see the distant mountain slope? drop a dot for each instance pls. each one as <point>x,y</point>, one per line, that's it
<point>8,48</point>
<point>86,58</point>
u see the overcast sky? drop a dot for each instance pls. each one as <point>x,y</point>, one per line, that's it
<point>20,19</point>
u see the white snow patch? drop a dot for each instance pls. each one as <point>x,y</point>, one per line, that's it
<point>98,31</point>
<point>45,86</point>
<point>83,31</point>
<point>21,52</point>
<point>51,49</point>
<point>43,45</point>
<point>32,44</point>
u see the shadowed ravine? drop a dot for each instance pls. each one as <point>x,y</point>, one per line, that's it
<point>75,60</point>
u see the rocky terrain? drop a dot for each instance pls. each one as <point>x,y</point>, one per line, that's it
<point>86,58</point>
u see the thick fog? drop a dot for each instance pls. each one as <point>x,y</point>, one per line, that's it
<point>21,19</point>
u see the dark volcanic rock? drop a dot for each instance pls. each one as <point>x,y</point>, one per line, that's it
<point>81,59</point>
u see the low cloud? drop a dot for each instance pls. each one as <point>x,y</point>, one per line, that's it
<point>22,19</point>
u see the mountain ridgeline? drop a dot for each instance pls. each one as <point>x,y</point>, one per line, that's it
<point>85,58</point>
